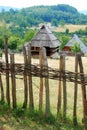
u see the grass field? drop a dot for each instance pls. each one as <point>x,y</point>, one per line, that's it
<point>54,63</point>
<point>71,27</point>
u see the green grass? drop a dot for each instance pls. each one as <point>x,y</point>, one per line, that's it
<point>20,118</point>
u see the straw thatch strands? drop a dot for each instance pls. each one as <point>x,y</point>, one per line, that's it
<point>75,39</point>
<point>44,38</point>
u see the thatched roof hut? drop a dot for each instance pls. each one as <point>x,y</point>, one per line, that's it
<point>75,39</point>
<point>45,38</point>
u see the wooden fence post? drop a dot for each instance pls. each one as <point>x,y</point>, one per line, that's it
<point>75,92</point>
<point>7,71</point>
<point>60,87</point>
<point>41,80</point>
<point>83,88</point>
<point>31,102</point>
<point>47,110</point>
<point>13,80</point>
<point>64,91</point>
<point>25,79</point>
<point>2,90</point>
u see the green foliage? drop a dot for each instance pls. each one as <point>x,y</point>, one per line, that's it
<point>1,42</point>
<point>76,47</point>
<point>12,42</point>
<point>54,22</point>
<point>64,39</point>
<point>20,20</point>
<point>29,35</point>
<point>20,118</point>
<point>67,31</point>
<point>18,112</point>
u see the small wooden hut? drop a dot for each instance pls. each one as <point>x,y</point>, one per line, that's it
<point>44,38</point>
<point>75,39</point>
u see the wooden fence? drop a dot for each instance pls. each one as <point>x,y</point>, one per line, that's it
<point>44,72</point>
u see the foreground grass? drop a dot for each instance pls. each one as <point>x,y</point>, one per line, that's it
<point>21,119</point>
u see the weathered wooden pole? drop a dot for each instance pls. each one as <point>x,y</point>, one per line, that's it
<point>25,79</point>
<point>31,101</point>
<point>47,109</point>
<point>2,90</point>
<point>60,87</point>
<point>84,100</point>
<point>7,70</point>
<point>75,92</point>
<point>64,91</point>
<point>13,80</point>
<point>41,80</point>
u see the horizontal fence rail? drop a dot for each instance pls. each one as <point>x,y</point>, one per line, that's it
<point>36,71</point>
<point>42,70</point>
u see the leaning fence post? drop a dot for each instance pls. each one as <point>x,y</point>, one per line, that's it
<point>31,102</point>
<point>84,100</point>
<point>7,71</point>
<point>47,110</point>
<point>41,80</point>
<point>13,80</point>
<point>25,79</point>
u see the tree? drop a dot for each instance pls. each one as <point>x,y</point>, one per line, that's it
<point>1,43</point>
<point>54,22</point>
<point>64,39</point>
<point>12,42</point>
<point>67,31</point>
<point>29,35</point>
<point>76,47</point>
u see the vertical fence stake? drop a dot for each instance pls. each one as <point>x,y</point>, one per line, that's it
<point>31,102</point>
<point>60,87</point>
<point>7,71</point>
<point>41,80</point>
<point>64,91</point>
<point>84,100</point>
<point>75,92</point>
<point>47,111</point>
<point>2,90</point>
<point>25,79</point>
<point>13,80</point>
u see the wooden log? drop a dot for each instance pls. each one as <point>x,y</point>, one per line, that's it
<point>25,79</point>
<point>64,91</point>
<point>83,88</point>
<point>13,81</point>
<point>31,101</point>
<point>75,92</point>
<point>2,90</point>
<point>41,81</point>
<point>7,71</point>
<point>47,108</point>
<point>60,87</point>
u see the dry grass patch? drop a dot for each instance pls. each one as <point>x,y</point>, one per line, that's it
<point>70,66</point>
<point>71,27</point>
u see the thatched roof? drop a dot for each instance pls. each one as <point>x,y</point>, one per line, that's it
<point>45,38</point>
<point>76,39</point>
